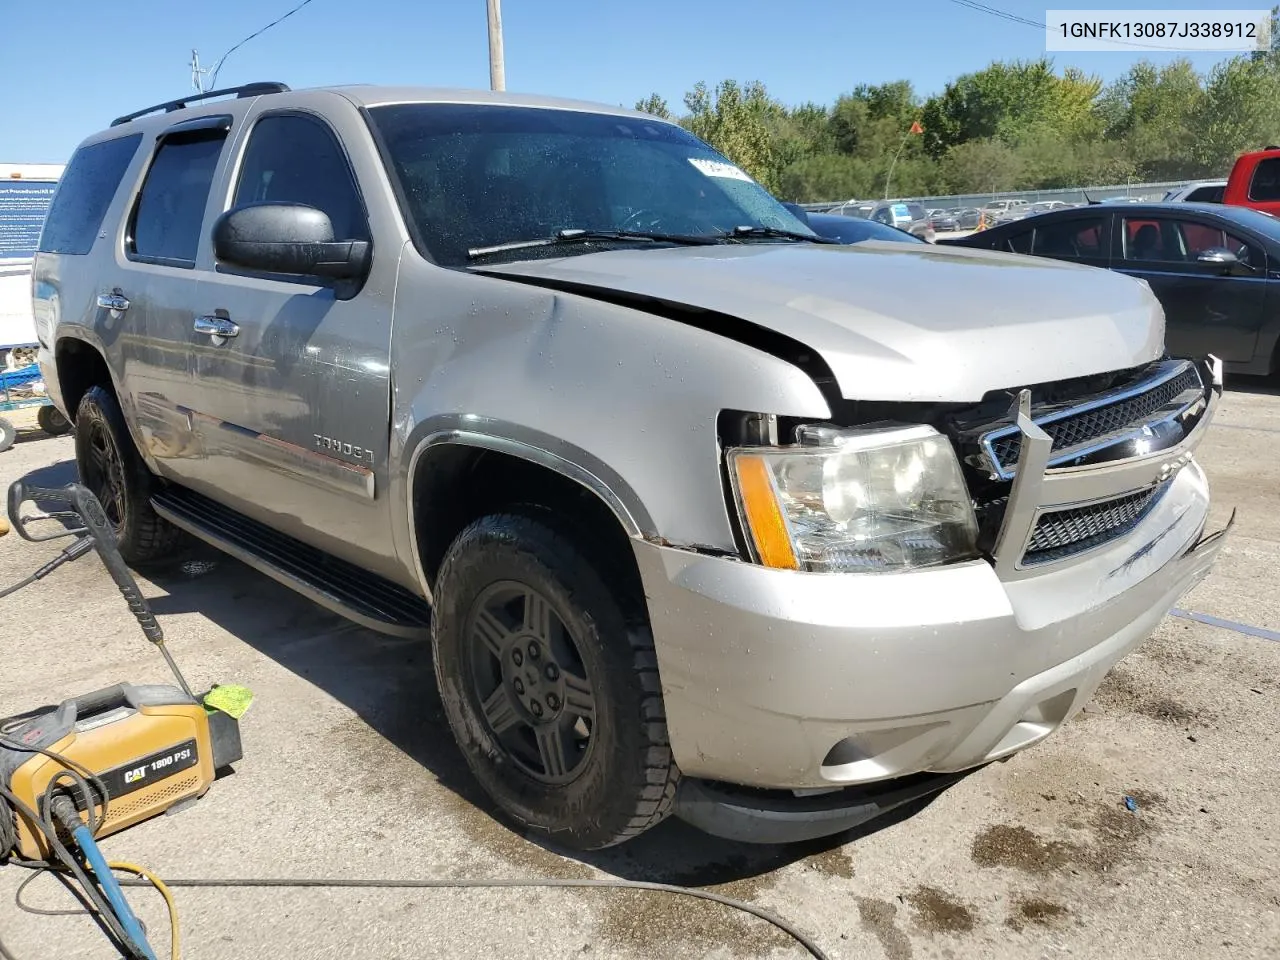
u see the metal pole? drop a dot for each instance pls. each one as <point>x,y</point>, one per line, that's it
<point>497,66</point>
<point>889,176</point>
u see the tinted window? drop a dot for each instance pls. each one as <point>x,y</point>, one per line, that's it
<point>170,210</point>
<point>1266,180</point>
<point>1070,238</point>
<point>297,159</point>
<point>84,193</point>
<point>1206,195</point>
<point>478,176</point>
<point>1019,242</point>
<point>1181,241</point>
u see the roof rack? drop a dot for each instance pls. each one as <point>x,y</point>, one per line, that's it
<point>247,90</point>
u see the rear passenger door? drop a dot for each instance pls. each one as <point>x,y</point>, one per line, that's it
<point>1206,309</point>
<point>156,286</point>
<point>1080,238</point>
<point>292,412</point>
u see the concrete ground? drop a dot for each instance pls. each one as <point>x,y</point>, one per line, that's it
<point>349,770</point>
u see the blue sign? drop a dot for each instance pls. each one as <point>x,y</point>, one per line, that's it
<point>23,207</point>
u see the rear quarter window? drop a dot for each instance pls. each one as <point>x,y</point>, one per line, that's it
<point>1265,184</point>
<point>84,193</point>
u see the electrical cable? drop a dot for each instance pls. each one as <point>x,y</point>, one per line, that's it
<point>213,80</point>
<point>613,883</point>
<point>780,923</point>
<point>1039,25</point>
<point>111,925</point>
<point>163,889</point>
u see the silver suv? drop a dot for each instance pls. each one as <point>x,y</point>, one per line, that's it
<point>702,514</point>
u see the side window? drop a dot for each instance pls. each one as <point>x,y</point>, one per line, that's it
<point>1071,239</point>
<point>1199,237</point>
<point>1019,242</point>
<point>170,210</point>
<point>1265,184</point>
<point>296,159</point>
<point>84,193</point>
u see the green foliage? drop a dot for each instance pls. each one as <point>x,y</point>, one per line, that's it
<point>1010,126</point>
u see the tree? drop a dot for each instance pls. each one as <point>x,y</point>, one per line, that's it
<point>655,105</point>
<point>737,121</point>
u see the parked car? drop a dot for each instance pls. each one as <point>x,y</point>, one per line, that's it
<point>702,513</point>
<point>1045,206</point>
<point>1202,191</point>
<point>943,221</point>
<point>999,207</point>
<point>1215,268</point>
<point>969,218</point>
<point>903,214</point>
<point>1254,181</point>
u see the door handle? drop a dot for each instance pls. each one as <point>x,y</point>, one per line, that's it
<point>217,327</point>
<point>113,301</point>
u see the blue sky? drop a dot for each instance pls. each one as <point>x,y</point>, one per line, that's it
<point>67,68</point>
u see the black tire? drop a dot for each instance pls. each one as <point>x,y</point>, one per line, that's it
<point>8,434</point>
<point>112,469</point>
<point>603,789</point>
<point>52,421</point>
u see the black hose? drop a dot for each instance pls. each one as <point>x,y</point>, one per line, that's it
<point>612,883</point>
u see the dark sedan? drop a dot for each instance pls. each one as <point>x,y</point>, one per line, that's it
<point>854,230</point>
<point>1215,269</point>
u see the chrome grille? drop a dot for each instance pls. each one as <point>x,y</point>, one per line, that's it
<point>1059,534</point>
<point>1106,420</point>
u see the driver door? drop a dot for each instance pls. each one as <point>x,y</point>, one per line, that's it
<point>291,409</point>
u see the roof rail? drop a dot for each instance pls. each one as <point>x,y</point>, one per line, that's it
<point>247,90</point>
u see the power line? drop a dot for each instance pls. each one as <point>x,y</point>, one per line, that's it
<point>213,80</point>
<point>1038,25</point>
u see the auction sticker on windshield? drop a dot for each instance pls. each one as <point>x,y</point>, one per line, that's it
<point>714,168</point>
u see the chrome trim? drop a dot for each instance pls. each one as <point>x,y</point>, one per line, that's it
<point>1025,497</point>
<point>113,302</point>
<point>219,328</point>
<point>290,458</point>
<point>1158,489</point>
<point>524,451</point>
<point>1036,489</point>
<point>1170,412</point>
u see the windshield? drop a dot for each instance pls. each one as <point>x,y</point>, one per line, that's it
<point>473,176</point>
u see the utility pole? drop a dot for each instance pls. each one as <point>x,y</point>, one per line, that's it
<point>497,66</point>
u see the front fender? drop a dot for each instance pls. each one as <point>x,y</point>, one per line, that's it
<point>624,402</point>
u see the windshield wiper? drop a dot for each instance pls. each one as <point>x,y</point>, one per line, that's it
<point>778,233</point>
<point>578,235</point>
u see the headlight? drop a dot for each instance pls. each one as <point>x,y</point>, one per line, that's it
<point>881,498</point>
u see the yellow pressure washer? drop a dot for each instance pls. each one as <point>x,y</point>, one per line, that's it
<point>96,764</point>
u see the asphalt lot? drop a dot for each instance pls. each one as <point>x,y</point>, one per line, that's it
<point>349,770</point>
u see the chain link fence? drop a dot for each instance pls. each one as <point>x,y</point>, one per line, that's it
<point>1137,191</point>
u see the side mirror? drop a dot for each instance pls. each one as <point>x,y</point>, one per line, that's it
<point>1220,257</point>
<point>290,238</point>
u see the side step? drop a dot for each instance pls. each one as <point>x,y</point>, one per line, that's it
<point>342,587</point>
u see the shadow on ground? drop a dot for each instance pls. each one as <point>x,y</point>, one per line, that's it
<point>1266,386</point>
<point>389,683</point>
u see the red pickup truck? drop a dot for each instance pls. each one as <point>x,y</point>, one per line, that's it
<point>1255,181</point>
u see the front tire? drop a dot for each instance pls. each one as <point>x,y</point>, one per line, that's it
<point>550,684</point>
<point>112,469</point>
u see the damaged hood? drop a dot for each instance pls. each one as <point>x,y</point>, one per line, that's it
<point>895,321</point>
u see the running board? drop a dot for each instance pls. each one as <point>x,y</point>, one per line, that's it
<point>335,584</point>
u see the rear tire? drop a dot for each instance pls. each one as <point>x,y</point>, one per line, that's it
<point>550,685</point>
<point>52,421</point>
<point>112,469</point>
<point>8,434</point>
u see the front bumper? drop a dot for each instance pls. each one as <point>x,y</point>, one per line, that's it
<point>781,680</point>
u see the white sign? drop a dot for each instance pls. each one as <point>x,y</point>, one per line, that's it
<point>714,168</point>
<point>1137,31</point>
